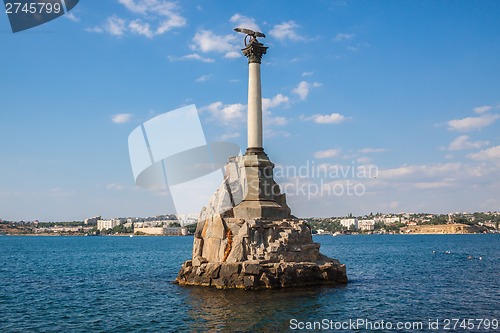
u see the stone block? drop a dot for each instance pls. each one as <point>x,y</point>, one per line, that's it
<point>229,269</point>
<point>197,247</point>
<point>199,227</point>
<point>249,282</point>
<point>212,270</point>
<point>198,261</point>
<point>200,270</point>
<point>211,249</point>
<point>254,269</point>
<point>243,232</point>
<point>215,228</point>
<point>237,253</point>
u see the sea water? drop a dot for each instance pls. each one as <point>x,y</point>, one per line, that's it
<point>124,284</point>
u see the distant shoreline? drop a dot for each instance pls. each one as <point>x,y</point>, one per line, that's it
<point>83,235</point>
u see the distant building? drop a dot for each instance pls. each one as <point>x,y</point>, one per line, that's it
<point>490,224</point>
<point>387,220</point>
<point>366,225</point>
<point>175,231</point>
<point>108,224</point>
<point>92,220</point>
<point>158,231</point>
<point>60,229</point>
<point>187,219</point>
<point>162,231</point>
<point>347,223</point>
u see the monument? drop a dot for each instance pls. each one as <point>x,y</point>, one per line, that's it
<point>246,237</point>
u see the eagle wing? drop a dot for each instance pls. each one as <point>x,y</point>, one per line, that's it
<point>250,32</point>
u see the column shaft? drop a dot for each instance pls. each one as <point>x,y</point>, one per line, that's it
<point>254,106</point>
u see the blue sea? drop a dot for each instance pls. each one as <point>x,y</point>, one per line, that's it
<point>124,284</point>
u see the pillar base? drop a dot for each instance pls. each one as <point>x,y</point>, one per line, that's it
<point>255,151</point>
<point>261,209</point>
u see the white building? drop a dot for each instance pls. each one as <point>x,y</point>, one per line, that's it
<point>366,225</point>
<point>108,224</point>
<point>187,219</point>
<point>347,223</point>
<point>387,219</point>
<point>92,220</point>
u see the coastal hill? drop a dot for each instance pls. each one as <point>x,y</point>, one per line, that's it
<point>455,228</point>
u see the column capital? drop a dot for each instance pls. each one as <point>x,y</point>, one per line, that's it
<point>254,51</point>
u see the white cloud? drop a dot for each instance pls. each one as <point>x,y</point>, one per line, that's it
<point>228,114</point>
<point>343,36</point>
<point>426,170</point>
<point>327,153</point>
<point>115,186</point>
<point>286,31</point>
<point>115,26</point>
<point>242,21</point>
<point>303,89</point>
<point>235,114</point>
<point>207,41</point>
<point>138,28</point>
<point>203,78</point>
<point>363,160</point>
<point>472,123</point>
<point>173,21</point>
<point>72,17</point>
<point>372,150</point>
<point>232,54</point>
<point>139,7</point>
<point>462,142</point>
<point>482,109</point>
<point>490,154</point>
<point>269,103</point>
<point>192,56</point>
<point>229,135</point>
<point>307,73</point>
<point>432,185</point>
<point>162,8</point>
<point>334,118</point>
<point>164,12</point>
<point>121,118</point>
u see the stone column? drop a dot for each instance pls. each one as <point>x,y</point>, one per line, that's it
<point>254,51</point>
<point>254,107</point>
<point>259,200</point>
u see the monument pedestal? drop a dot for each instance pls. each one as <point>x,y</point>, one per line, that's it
<point>261,189</point>
<point>245,242</point>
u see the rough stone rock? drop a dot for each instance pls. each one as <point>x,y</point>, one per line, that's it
<point>198,261</point>
<point>253,269</point>
<point>229,269</point>
<point>266,276</point>
<point>211,249</point>
<point>197,247</point>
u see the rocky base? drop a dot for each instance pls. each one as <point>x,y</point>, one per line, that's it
<point>246,238</point>
<point>255,274</point>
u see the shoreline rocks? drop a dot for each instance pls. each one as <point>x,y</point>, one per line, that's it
<point>256,275</point>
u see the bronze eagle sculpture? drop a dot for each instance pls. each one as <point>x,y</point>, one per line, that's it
<point>250,33</point>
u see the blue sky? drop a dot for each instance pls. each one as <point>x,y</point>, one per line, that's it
<point>411,89</point>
